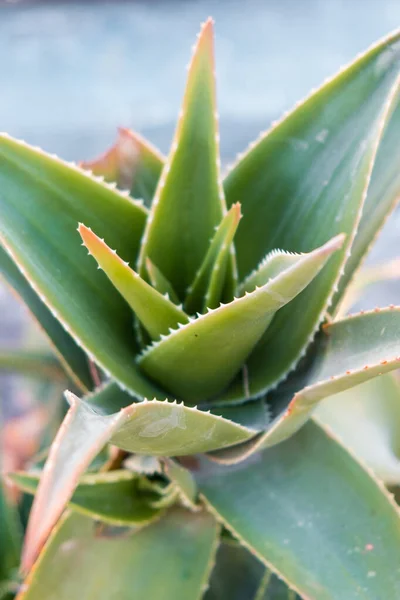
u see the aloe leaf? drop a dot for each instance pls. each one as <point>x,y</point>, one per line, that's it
<point>10,537</point>
<point>367,420</point>
<point>41,202</point>
<point>207,287</point>
<point>169,558</point>
<point>287,504</point>
<point>159,282</point>
<point>132,163</point>
<point>32,364</point>
<point>156,312</point>
<point>114,497</point>
<point>189,201</point>
<point>347,353</point>
<point>199,359</point>
<point>183,481</point>
<point>320,157</point>
<point>70,355</point>
<point>149,427</point>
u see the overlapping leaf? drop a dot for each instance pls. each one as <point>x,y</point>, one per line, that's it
<point>132,163</point>
<point>41,202</point>
<point>306,504</point>
<point>169,558</point>
<point>199,359</point>
<point>306,181</point>
<point>189,201</point>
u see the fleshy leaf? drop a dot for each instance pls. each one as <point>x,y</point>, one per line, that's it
<point>189,201</point>
<point>367,420</point>
<point>159,282</point>
<point>169,558</point>
<point>156,313</point>
<point>71,356</point>
<point>207,287</point>
<point>10,537</point>
<point>132,163</point>
<point>149,427</point>
<point>32,364</point>
<point>347,353</point>
<point>42,200</point>
<point>114,497</point>
<point>183,481</point>
<point>305,181</point>
<point>201,358</point>
<point>288,505</point>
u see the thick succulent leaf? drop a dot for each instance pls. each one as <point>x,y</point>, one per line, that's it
<point>169,558</point>
<point>367,420</point>
<point>32,364</point>
<point>347,353</point>
<point>305,181</point>
<point>189,201</point>
<point>41,202</point>
<point>71,356</point>
<point>206,289</point>
<point>160,282</point>
<point>306,504</point>
<point>149,427</point>
<point>156,312</point>
<point>183,481</point>
<point>10,537</point>
<point>115,497</point>
<point>132,163</point>
<point>383,194</point>
<point>201,358</point>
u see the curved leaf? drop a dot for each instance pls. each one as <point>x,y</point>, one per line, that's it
<point>200,359</point>
<point>169,558</point>
<point>132,163</point>
<point>347,353</point>
<point>149,427</point>
<point>159,282</point>
<point>367,420</point>
<point>10,537</point>
<point>305,181</point>
<point>71,356</point>
<point>33,364</point>
<point>115,497</point>
<point>189,201</point>
<point>306,504</point>
<point>41,202</point>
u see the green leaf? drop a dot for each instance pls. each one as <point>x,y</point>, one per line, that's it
<point>200,359</point>
<point>115,497</point>
<point>169,558</point>
<point>31,364</point>
<point>159,282</point>
<point>367,420</point>
<point>156,428</point>
<point>41,202</point>
<point>184,482</point>
<point>10,537</point>
<point>306,504</point>
<point>189,201</point>
<point>156,313</point>
<point>304,182</point>
<point>207,287</point>
<point>72,358</point>
<point>132,163</point>
<point>347,353</point>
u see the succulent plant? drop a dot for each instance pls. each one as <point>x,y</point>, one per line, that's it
<point>198,330</point>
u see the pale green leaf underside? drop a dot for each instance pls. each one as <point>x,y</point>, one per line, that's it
<point>156,312</point>
<point>41,202</point>
<point>71,356</point>
<point>132,163</point>
<point>289,504</point>
<point>347,353</point>
<point>167,559</point>
<point>149,427</point>
<point>201,358</point>
<point>367,420</point>
<point>114,497</point>
<point>206,289</point>
<point>188,203</point>
<point>306,181</point>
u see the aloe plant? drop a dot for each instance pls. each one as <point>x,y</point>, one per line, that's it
<point>196,319</point>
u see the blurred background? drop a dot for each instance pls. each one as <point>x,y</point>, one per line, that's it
<point>72,72</point>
